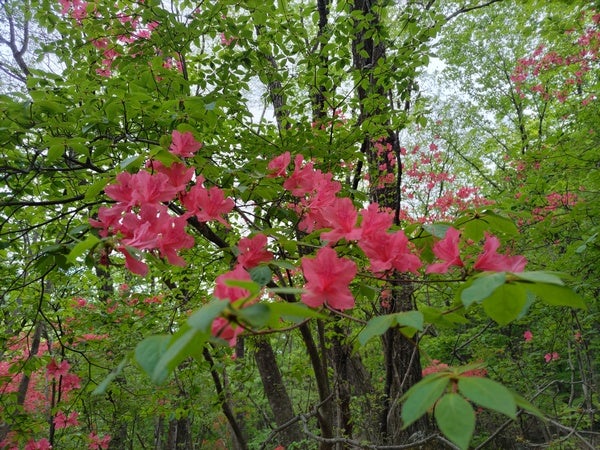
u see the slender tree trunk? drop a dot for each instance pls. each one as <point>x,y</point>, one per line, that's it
<point>276,393</point>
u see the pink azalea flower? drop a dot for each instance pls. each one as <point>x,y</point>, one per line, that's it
<point>551,357</point>
<point>56,370</point>
<point>207,204</point>
<point>279,165</point>
<point>184,144</point>
<point>446,250</point>
<point>253,251</point>
<point>221,328</point>
<point>42,444</point>
<point>231,293</point>
<point>97,442</point>
<point>387,251</point>
<point>327,279</point>
<point>342,219</point>
<point>62,421</point>
<point>528,336</point>
<point>492,261</point>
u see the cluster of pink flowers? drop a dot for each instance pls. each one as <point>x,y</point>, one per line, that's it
<point>140,216</point>
<point>543,62</point>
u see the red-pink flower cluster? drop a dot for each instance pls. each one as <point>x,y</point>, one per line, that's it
<point>141,219</point>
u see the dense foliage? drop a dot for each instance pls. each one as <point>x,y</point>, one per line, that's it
<point>245,224</point>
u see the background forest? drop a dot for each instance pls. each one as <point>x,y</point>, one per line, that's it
<point>299,224</point>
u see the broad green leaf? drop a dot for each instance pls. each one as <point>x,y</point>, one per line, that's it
<point>506,303</point>
<point>257,315</point>
<point>488,394</point>
<point>95,188</point>
<point>202,319</point>
<point>421,397</point>
<point>456,419</point>
<point>149,351</point>
<point>500,223</point>
<point>413,319</point>
<point>437,229</point>
<point>540,277</point>
<point>55,152</point>
<point>286,290</point>
<point>187,342</point>
<point>556,295</point>
<point>294,312</point>
<point>376,327</point>
<point>482,288</point>
<point>81,247</point>
<point>525,405</point>
<point>261,275</point>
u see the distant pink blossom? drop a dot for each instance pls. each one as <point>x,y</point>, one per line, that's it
<point>551,357</point>
<point>528,336</point>
<point>63,421</point>
<point>42,444</point>
<point>97,443</point>
<point>231,293</point>
<point>184,144</point>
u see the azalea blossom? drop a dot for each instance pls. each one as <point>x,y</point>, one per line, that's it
<point>63,421</point>
<point>231,293</point>
<point>279,164</point>
<point>342,219</point>
<point>221,328</point>
<point>327,279</point>
<point>447,250</point>
<point>528,336</point>
<point>492,261</point>
<point>207,204</point>
<point>184,144</point>
<point>387,251</point>
<point>253,251</point>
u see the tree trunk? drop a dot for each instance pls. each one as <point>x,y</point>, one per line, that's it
<point>276,393</point>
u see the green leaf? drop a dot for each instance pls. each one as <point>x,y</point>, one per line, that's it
<point>482,288</point>
<point>95,188</point>
<point>185,343</point>
<point>488,394</point>
<point>525,405</point>
<point>257,315</point>
<point>540,277</point>
<point>556,295</point>
<point>81,247</point>
<point>202,319</point>
<point>456,419</point>
<point>506,303</point>
<point>422,396</point>
<point>436,229</point>
<point>413,319</point>
<point>293,312</point>
<point>101,388</point>
<point>261,275</point>
<point>376,327</point>
<point>55,152</point>
<point>149,351</point>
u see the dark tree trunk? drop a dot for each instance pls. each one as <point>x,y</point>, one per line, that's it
<point>402,363</point>
<point>277,394</point>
